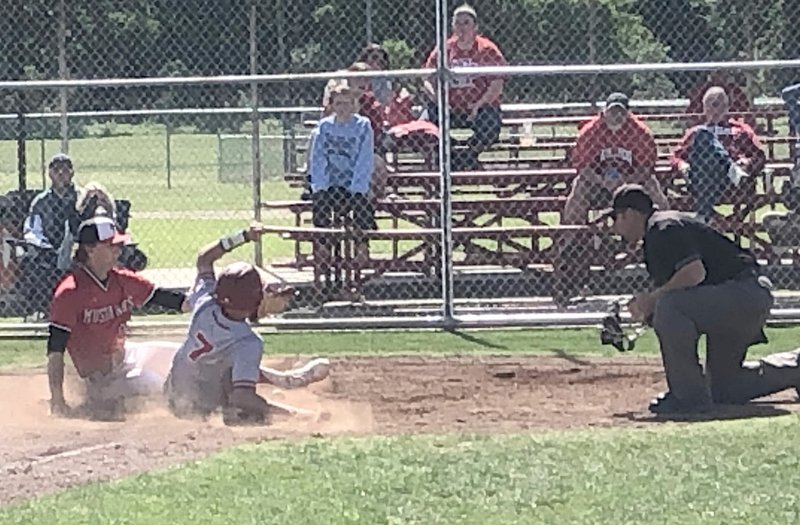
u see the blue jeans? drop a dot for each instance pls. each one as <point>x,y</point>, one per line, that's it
<point>485,132</point>
<point>709,163</point>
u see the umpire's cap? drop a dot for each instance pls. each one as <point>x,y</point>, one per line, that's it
<point>239,287</point>
<point>629,197</point>
<point>101,229</point>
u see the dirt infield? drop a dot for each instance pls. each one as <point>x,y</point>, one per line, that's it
<point>364,395</point>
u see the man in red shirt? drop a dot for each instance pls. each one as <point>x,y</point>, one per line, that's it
<point>88,315</point>
<point>717,154</point>
<point>474,101</point>
<point>613,148</point>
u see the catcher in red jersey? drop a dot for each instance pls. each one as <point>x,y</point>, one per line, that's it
<point>88,315</point>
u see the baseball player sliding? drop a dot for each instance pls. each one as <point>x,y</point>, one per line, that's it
<point>94,301</point>
<point>218,366</point>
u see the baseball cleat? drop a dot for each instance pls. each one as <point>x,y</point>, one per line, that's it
<point>312,372</point>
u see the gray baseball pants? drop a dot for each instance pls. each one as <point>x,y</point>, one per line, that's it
<point>731,315</point>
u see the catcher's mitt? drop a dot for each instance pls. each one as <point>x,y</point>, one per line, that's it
<point>614,334</point>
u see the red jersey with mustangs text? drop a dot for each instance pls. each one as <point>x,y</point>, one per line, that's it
<point>599,148</point>
<point>466,91</point>
<point>95,315</point>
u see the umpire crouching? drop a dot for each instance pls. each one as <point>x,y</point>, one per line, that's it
<point>704,284</point>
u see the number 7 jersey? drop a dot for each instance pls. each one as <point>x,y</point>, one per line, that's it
<point>217,351</point>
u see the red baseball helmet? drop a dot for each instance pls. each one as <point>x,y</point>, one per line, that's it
<point>239,287</point>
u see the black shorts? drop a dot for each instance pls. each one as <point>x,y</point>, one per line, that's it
<point>337,207</point>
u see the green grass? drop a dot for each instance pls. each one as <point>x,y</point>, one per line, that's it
<point>714,473</point>
<point>545,342</point>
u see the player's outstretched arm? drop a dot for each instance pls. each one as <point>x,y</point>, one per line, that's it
<point>214,251</point>
<point>55,377</point>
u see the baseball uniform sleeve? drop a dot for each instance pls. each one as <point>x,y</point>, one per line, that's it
<point>203,287</point>
<point>138,287</point>
<point>247,363</point>
<point>64,309</point>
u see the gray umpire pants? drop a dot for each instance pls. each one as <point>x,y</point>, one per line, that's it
<point>731,315</point>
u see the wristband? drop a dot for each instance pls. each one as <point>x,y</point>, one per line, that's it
<point>234,240</point>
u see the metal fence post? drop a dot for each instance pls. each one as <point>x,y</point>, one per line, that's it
<point>22,162</point>
<point>63,74</point>
<point>443,102</point>
<point>168,145</point>
<point>256,127</point>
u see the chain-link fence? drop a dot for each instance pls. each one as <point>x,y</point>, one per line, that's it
<point>355,206</point>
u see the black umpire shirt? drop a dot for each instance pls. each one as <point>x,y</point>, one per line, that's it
<point>674,239</point>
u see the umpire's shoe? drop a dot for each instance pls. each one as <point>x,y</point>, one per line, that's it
<point>667,404</point>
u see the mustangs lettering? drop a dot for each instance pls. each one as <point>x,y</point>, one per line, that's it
<point>107,313</point>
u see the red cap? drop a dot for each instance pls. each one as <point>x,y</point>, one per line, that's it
<point>239,287</point>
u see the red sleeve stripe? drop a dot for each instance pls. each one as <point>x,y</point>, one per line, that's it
<point>61,327</point>
<point>244,383</point>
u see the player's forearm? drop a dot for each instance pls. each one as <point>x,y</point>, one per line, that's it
<point>55,376</point>
<point>214,251</point>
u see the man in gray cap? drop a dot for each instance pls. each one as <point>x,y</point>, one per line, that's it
<point>705,284</point>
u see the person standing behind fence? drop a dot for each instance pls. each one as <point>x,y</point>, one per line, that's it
<point>717,154</point>
<point>377,59</point>
<point>368,106</point>
<point>341,164</point>
<point>474,100</point>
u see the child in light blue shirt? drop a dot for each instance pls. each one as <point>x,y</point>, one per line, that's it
<point>341,164</point>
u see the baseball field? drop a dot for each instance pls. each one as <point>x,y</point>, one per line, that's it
<point>489,427</point>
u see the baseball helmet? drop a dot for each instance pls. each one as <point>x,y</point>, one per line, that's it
<point>239,287</point>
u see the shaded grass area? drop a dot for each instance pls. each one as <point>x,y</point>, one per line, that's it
<point>545,342</point>
<point>711,473</point>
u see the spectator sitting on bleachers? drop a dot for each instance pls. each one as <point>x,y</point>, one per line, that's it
<point>48,233</point>
<point>738,99</point>
<point>475,100</point>
<point>717,154</point>
<point>341,164</point>
<point>377,59</point>
<point>613,148</point>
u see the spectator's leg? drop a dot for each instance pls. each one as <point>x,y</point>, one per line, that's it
<point>322,217</point>
<point>485,132</point>
<point>460,158</point>
<point>380,177</point>
<point>363,215</point>
<point>570,264</point>
<point>709,163</point>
